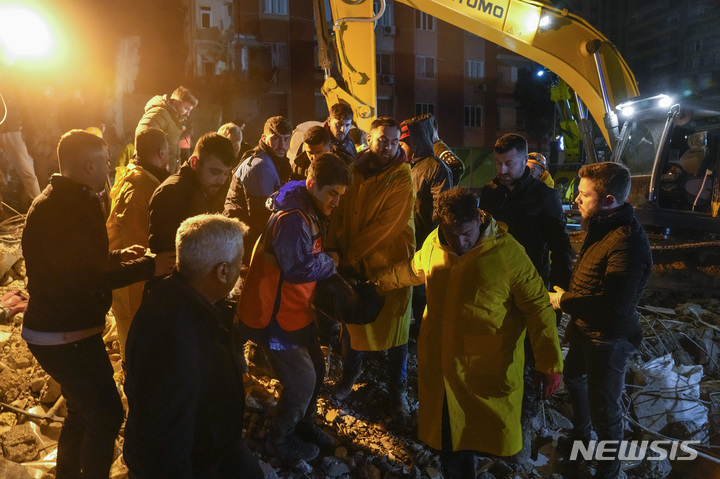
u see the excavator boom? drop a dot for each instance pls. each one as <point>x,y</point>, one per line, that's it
<point>561,42</point>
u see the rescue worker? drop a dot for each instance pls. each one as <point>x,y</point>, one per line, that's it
<point>184,382</point>
<point>608,282</point>
<point>316,141</point>
<point>483,297</point>
<point>373,229</point>
<point>262,172</point>
<point>71,274</point>
<point>190,191</point>
<point>431,176</point>
<point>538,168</point>
<point>169,114</point>
<point>129,216</point>
<point>339,124</point>
<point>534,216</point>
<point>275,308</point>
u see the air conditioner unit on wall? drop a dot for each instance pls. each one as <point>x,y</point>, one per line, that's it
<point>481,87</point>
<point>388,30</point>
<point>387,79</point>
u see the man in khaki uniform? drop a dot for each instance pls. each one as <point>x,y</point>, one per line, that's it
<point>129,217</point>
<point>373,230</point>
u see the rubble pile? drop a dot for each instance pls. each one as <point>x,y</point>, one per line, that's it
<point>369,442</point>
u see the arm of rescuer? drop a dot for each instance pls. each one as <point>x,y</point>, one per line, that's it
<point>530,297</point>
<point>409,272</point>
<point>624,271</point>
<point>292,244</point>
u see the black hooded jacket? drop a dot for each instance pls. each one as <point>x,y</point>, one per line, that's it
<point>430,175</point>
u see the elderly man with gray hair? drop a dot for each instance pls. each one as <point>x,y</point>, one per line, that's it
<point>181,354</point>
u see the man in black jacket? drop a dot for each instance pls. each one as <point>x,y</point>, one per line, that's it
<point>534,216</point>
<point>190,191</point>
<point>184,383</point>
<point>608,282</point>
<point>71,275</point>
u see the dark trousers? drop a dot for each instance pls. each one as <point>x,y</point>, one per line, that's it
<point>396,356</point>
<point>95,412</point>
<point>456,464</point>
<point>301,372</point>
<point>595,378</point>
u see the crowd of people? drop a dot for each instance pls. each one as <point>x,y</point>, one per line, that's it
<point>479,282</point>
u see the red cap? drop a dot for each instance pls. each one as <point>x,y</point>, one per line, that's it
<point>404,132</point>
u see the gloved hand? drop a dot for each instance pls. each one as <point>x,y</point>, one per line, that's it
<point>556,297</point>
<point>550,382</point>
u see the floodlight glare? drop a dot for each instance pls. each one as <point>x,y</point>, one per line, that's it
<point>665,101</point>
<point>23,33</point>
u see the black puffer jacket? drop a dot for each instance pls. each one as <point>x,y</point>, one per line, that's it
<point>533,213</point>
<point>429,174</point>
<point>610,275</point>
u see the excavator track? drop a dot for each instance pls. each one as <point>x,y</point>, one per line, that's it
<point>679,266</point>
<point>688,267</point>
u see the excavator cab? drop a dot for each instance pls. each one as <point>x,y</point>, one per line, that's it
<point>673,152</point>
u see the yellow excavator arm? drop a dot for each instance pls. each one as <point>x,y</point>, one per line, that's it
<point>561,42</point>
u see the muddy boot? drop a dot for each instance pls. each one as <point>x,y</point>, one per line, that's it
<point>344,386</point>
<point>398,401</point>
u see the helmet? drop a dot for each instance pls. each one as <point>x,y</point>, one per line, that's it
<point>538,159</point>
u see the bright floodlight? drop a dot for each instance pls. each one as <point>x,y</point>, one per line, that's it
<point>23,33</point>
<point>544,21</point>
<point>628,111</point>
<point>540,73</point>
<point>665,101</point>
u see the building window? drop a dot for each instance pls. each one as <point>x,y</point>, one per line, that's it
<point>424,67</point>
<point>507,76</point>
<point>423,108</point>
<point>474,69</point>
<point>278,55</point>
<point>276,7</point>
<point>473,116</point>
<point>384,63</point>
<point>423,21</point>
<point>387,19</point>
<point>205,17</point>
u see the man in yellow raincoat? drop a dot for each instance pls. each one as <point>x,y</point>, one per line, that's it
<point>483,295</point>
<point>373,230</point>
<point>128,221</point>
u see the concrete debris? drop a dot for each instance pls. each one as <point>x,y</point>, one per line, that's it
<point>12,470</point>
<point>683,337</point>
<point>19,444</point>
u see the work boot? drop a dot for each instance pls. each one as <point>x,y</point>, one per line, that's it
<point>398,400</point>
<point>309,431</point>
<point>343,387</point>
<point>292,448</point>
